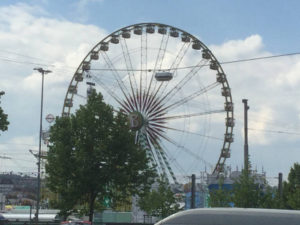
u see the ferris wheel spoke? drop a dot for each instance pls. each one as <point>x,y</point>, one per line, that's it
<point>153,136</point>
<point>183,50</point>
<point>158,63</point>
<point>143,72</point>
<point>130,72</point>
<point>144,142</point>
<point>190,115</point>
<point>193,96</point>
<point>156,110</point>
<point>144,66</point>
<point>118,79</point>
<point>186,150</point>
<point>160,57</point>
<point>173,160</point>
<point>193,133</point>
<point>165,162</point>
<point>112,94</point>
<point>177,87</point>
<point>159,164</point>
<point>178,59</point>
<point>120,82</point>
<point>159,157</point>
<point>194,70</point>
<point>152,139</point>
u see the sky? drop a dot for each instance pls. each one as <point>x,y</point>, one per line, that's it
<point>56,35</point>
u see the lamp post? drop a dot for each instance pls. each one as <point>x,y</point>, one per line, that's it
<point>43,72</point>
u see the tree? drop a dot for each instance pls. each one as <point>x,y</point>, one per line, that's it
<point>3,117</point>
<point>159,202</point>
<point>269,198</point>
<point>291,188</point>
<point>93,157</point>
<point>220,197</point>
<point>246,192</point>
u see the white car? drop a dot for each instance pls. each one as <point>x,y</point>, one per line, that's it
<point>233,216</point>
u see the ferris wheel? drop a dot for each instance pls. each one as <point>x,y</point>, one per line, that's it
<point>173,90</point>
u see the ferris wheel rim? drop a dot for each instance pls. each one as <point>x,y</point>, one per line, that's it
<point>228,136</point>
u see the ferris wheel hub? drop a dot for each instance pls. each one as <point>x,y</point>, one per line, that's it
<point>136,120</point>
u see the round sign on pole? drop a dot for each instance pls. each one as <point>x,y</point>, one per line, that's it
<point>50,118</point>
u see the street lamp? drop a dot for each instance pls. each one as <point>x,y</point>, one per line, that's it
<point>43,72</point>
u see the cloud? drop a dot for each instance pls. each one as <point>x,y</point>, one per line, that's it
<point>28,37</point>
<point>57,43</point>
<point>252,46</point>
<point>16,156</point>
<point>81,8</point>
<point>259,124</point>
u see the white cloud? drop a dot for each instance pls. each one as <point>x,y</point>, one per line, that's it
<point>28,35</point>
<point>81,8</point>
<point>290,76</point>
<point>54,42</point>
<point>257,125</point>
<point>16,156</point>
<point>239,49</point>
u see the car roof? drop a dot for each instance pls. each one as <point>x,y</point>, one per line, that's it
<point>233,216</point>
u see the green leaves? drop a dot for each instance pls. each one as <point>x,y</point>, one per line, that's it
<point>249,191</point>
<point>92,155</point>
<point>291,189</point>
<point>3,117</point>
<point>159,202</point>
<point>220,198</point>
<point>246,191</point>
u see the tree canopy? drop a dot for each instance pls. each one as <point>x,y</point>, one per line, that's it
<point>291,188</point>
<point>160,201</point>
<point>3,117</point>
<point>220,197</point>
<point>92,157</point>
<point>247,192</point>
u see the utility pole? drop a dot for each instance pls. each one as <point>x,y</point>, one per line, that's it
<point>246,152</point>
<point>43,72</point>
<point>280,185</point>
<point>193,191</point>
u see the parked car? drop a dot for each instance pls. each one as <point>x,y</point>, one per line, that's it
<point>233,216</point>
<point>76,222</point>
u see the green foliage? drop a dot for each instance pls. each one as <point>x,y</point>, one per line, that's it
<point>3,117</point>
<point>249,194</point>
<point>269,198</point>
<point>246,193</point>
<point>92,156</point>
<point>291,189</point>
<point>294,199</point>
<point>220,197</point>
<point>159,202</point>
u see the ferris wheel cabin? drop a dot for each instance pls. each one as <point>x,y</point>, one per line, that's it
<point>163,76</point>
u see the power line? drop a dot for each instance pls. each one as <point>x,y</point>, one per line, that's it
<point>275,131</point>
<point>10,143</point>
<point>24,56</point>
<point>271,122</point>
<point>260,58</point>
<point>226,62</point>
<point>24,62</point>
<point>178,68</point>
